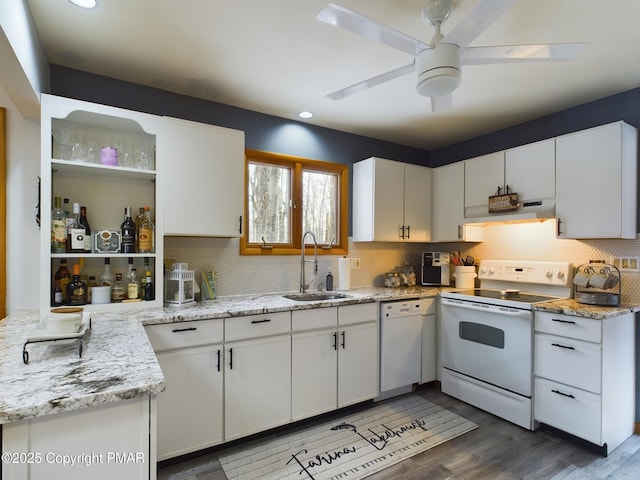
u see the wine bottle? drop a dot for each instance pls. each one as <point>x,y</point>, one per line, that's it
<point>106,279</point>
<point>76,289</point>
<point>58,228</point>
<point>128,229</point>
<point>75,232</point>
<point>149,290</point>
<point>88,243</point>
<point>146,233</point>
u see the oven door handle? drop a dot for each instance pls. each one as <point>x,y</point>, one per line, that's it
<point>483,307</point>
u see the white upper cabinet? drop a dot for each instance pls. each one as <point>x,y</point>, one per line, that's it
<point>528,170</point>
<point>391,201</point>
<point>448,206</point>
<point>596,182</point>
<point>203,179</point>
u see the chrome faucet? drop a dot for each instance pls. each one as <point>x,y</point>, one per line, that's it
<point>303,285</point>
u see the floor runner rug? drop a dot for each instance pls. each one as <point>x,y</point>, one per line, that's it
<point>353,447</point>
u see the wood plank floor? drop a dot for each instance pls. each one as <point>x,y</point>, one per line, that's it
<point>497,450</point>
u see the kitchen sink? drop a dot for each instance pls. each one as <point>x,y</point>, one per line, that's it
<point>315,296</point>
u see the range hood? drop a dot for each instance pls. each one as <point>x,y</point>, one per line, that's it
<point>529,211</point>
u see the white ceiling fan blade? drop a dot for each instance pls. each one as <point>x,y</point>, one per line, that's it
<point>339,16</point>
<point>542,52</point>
<point>372,82</point>
<point>439,104</point>
<point>483,14</point>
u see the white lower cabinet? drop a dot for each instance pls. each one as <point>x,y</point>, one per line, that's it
<point>115,440</point>
<point>584,376</point>
<point>190,410</point>
<point>257,385</point>
<point>357,363</point>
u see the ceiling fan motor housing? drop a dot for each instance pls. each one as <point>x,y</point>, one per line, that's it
<point>439,70</point>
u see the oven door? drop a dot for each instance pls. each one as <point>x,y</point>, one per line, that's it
<point>490,343</point>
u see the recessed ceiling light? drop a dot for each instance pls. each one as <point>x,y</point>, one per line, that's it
<point>85,3</point>
<point>305,114</point>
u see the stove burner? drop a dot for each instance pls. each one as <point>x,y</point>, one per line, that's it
<point>521,297</point>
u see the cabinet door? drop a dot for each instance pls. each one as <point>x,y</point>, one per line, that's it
<point>378,200</point>
<point>314,381</point>
<point>596,183</point>
<point>530,170</point>
<point>483,176</point>
<point>417,203</point>
<point>357,363</point>
<point>257,387</point>
<point>190,409</point>
<point>203,179</point>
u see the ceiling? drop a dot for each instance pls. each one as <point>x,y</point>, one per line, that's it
<point>274,57</point>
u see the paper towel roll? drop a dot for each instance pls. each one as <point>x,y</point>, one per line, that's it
<point>344,273</point>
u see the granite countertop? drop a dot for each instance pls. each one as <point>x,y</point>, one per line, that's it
<point>118,361</point>
<point>598,312</point>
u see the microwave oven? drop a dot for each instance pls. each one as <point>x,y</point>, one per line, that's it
<point>435,268</point>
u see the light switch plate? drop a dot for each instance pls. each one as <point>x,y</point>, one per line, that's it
<point>355,263</point>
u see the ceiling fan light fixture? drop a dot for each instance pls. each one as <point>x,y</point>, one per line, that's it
<point>85,3</point>
<point>439,70</point>
<point>436,11</point>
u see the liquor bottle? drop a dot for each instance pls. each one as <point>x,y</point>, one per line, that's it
<point>88,243</point>
<point>118,292</point>
<point>133,287</point>
<point>75,232</point>
<point>57,296</point>
<point>68,216</point>
<point>128,229</point>
<point>138,221</point>
<point>146,233</point>
<point>76,289</point>
<point>62,277</point>
<point>149,289</point>
<point>58,228</point>
<point>106,279</point>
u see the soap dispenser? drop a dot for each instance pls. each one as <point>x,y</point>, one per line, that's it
<point>329,281</point>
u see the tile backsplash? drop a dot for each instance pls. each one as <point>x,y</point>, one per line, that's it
<point>528,241</point>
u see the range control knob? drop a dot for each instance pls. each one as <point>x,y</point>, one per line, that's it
<point>548,274</point>
<point>560,274</point>
<point>483,269</point>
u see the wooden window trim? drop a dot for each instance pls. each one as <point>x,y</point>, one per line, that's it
<point>341,245</point>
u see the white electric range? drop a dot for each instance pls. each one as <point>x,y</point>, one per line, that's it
<point>486,335</point>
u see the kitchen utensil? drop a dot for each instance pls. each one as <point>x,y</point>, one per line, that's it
<point>469,260</point>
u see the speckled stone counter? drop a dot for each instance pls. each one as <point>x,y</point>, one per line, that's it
<point>118,361</point>
<point>571,307</point>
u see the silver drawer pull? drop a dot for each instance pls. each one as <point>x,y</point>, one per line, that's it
<point>178,330</point>
<point>563,394</point>
<point>266,320</point>
<point>568,347</point>
<point>563,321</point>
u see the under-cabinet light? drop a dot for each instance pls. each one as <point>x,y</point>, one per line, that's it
<point>305,114</point>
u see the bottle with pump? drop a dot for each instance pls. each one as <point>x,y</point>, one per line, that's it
<point>76,289</point>
<point>329,281</point>
<point>146,233</point>
<point>128,230</point>
<point>58,228</point>
<point>75,232</point>
<point>88,243</point>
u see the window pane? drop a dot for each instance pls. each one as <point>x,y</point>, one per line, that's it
<point>269,197</point>
<point>320,205</point>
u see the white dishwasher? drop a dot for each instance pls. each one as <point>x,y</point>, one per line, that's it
<point>401,343</point>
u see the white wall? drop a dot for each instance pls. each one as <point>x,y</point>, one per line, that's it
<point>23,236</point>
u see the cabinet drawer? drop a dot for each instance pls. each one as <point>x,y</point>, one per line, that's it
<point>569,326</point>
<point>170,336</point>
<point>569,409</point>
<point>569,361</point>
<point>253,326</point>
<point>314,318</point>
<point>364,312</point>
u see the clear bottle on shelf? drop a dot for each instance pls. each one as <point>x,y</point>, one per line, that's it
<point>92,283</point>
<point>68,216</point>
<point>138,221</point>
<point>106,279</point>
<point>76,232</point>
<point>133,287</point>
<point>146,233</point>
<point>118,290</point>
<point>58,228</point>
<point>128,231</point>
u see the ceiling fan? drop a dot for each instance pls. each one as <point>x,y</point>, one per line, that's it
<point>438,65</point>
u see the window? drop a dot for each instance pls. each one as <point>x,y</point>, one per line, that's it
<point>287,196</point>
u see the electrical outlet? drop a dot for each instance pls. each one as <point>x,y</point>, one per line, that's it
<point>626,264</point>
<point>355,263</point>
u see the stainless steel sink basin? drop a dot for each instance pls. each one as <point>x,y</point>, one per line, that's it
<point>314,296</point>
